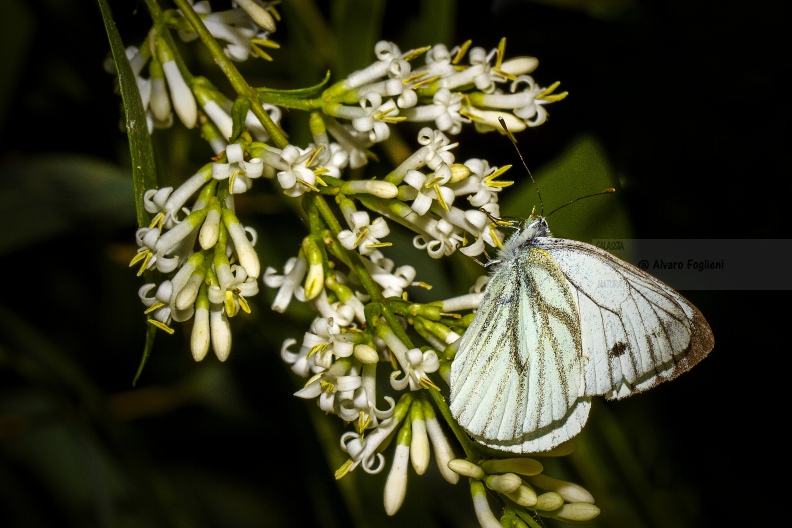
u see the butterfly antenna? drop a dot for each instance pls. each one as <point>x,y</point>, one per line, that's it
<point>514,142</point>
<point>606,191</point>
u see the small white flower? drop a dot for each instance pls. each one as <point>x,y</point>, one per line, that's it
<point>331,386</point>
<point>289,284</point>
<point>532,111</point>
<point>301,363</point>
<point>425,192</point>
<point>393,281</point>
<point>233,290</point>
<point>342,313</point>
<point>417,365</point>
<point>296,178</point>
<point>445,238</point>
<point>158,305</point>
<point>362,233</point>
<point>374,112</point>
<point>362,404</point>
<point>236,170</point>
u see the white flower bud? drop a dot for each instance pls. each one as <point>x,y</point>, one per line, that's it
<point>396,485</point>
<point>521,466</point>
<point>575,512</point>
<point>549,501</point>
<point>221,333</point>
<point>506,483</point>
<point>570,491</point>
<point>466,468</point>
<point>181,95</point>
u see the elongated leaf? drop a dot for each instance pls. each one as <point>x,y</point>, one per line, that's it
<point>144,174</point>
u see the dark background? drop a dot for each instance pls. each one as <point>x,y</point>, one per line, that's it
<point>685,98</point>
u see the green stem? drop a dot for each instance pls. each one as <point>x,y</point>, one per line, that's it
<point>242,88</point>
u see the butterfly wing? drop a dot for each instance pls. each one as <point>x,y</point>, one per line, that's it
<point>636,331</point>
<point>517,378</point>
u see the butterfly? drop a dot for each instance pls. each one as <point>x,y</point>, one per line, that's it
<point>560,322</point>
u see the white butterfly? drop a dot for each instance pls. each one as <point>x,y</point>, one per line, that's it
<point>562,321</point>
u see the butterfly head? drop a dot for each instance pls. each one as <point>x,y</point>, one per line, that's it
<point>535,226</point>
<point>532,227</point>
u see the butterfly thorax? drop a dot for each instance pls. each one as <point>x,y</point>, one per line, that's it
<point>531,228</point>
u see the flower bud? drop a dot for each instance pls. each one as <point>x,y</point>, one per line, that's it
<point>466,468</point>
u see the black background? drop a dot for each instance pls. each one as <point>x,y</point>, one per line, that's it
<point>691,102</point>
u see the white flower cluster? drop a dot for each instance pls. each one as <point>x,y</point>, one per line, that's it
<point>208,267</point>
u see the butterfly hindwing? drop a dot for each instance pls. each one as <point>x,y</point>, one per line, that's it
<point>532,401</point>
<point>636,330</point>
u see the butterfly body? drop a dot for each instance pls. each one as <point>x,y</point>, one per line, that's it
<point>562,321</point>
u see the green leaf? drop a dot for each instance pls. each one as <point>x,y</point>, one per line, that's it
<point>238,115</point>
<point>286,97</point>
<point>144,174</point>
<point>582,169</point>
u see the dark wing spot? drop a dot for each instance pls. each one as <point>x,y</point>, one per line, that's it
<point>617,350</point>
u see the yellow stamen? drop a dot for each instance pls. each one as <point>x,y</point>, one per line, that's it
<point>469,115</point>
<point>498,184</point>
<point>256,51</point>
<point>344,469</point>
<point>363,421</point>
<point>230,306</point>
<point>461,52</point>
<point>266,43</point>
<point>315,153</point>
<point>432,182</point>
<point>361,237</point>
<point>157,220</point>
<point>243,304</point>
<point>426,81</point>
<point>161,326</point>
<point>546,94</point>
<point>145,264</point>
<point>495,238</point>
<point>422,285</point>
<point>312,187</point>
<point>426,383</point>
<point>440,198</point>
<point>509,76</point>
<point>138,257</point>
<point>417,53</point>
<point>393,362</point>
<point>231,180</point>
<point>153,307</point>
<point>317,348</point>
<point>501,52</point>
<point>328,386</point>
<point>415,77</point>
<point>378,245</point>
<point>497,173</point>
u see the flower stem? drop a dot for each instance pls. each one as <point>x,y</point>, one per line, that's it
<point>235,78</point>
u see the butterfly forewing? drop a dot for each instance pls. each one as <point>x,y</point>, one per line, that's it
<point>636,330</point>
